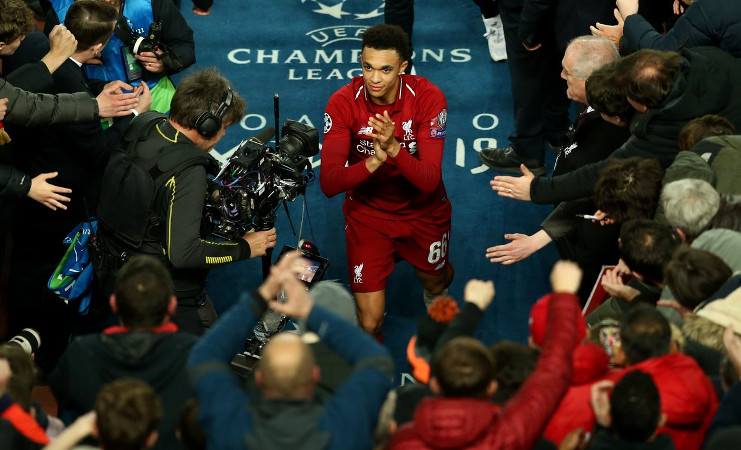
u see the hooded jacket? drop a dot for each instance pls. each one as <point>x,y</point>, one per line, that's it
<point>234,420</point>
<point>687,397</point>
<point>158,358</point>
<point>590,365</point>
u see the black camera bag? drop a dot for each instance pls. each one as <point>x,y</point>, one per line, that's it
<point>133,178</point>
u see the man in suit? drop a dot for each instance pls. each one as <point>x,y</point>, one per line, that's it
<point>78,153</point>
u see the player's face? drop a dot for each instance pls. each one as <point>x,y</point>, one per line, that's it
<point>576,88</point>
<point>381,70</point>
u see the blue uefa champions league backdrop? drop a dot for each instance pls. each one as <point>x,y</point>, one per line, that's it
<point>304,50</point>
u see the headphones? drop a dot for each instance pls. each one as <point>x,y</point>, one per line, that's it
<point>208,123</point>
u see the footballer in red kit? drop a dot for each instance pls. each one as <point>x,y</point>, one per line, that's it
<point>383,146</point>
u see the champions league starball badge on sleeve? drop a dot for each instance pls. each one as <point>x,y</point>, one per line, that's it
<point>437,124</point>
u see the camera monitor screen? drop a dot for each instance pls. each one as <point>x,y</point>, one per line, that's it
<point>314,268</point>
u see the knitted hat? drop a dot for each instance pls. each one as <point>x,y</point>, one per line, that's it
<point>538,319</point>
<point>335,297</point>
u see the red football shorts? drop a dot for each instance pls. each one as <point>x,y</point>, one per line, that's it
<point>375,244</point>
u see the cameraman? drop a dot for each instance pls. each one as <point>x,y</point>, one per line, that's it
<point>203,106</point>
<point>175,47</point>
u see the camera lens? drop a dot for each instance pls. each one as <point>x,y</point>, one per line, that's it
<point>292,145</point>
<point>28,339</point>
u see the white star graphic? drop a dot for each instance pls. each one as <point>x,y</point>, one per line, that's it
<point>376,13</point>
<point>334,11</point>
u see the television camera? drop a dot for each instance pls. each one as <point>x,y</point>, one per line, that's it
<point>257,179</point>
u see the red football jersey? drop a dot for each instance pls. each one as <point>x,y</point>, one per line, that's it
<point>406,186</point>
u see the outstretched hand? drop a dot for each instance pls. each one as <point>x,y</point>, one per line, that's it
<point>611,32</point>
<point>516,250</point>
<point>520,247</point>
<point>48,194</point>
<point>517,188</point>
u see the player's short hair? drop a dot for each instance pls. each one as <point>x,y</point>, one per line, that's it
<point>388,37</point>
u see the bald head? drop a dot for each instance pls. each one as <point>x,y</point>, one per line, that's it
<point>287,368</point>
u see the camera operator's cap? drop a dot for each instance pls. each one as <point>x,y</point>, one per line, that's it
<point>333,296</point>
<point>539,317</point>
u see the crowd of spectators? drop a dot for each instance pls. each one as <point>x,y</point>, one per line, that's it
<point>646,181</point>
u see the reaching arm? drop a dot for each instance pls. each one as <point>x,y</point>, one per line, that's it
<point>223,403</point>
<point>528,412</point>
<point>184,199</point>
<point>521,246</point>
<point>477,296</point>
<point>574,185</point>
<point>28,109</point>
<point>691,30</point>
